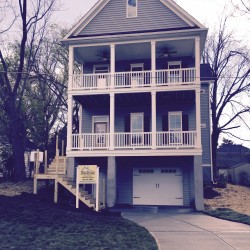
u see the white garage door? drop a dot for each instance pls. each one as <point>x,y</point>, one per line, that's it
<point>157,186</point>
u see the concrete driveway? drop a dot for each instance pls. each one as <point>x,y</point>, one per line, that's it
<point>182,229</point>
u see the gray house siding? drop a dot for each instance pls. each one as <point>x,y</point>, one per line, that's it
<point>125,174</point>
<point>152,15</point>
<point>123,112</point>
<point>205,121</point>
<point>87,115</point>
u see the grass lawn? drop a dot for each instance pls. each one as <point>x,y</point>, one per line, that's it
<point>33,222</point>
<point>229,214</point>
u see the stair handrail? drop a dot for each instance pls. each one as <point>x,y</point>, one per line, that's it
<point>45,161</point>
<point>57,155</point>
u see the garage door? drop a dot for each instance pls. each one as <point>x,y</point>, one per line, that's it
<point>157,186</point>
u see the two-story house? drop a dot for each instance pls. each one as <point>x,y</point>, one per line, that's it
<point>144,102</point>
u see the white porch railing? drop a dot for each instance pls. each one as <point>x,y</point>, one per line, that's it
<point>133,140</point>
<point>173,76</point>
<point>133,79</point>
<point>91,141</point>
<point>184,139</point>
<point>176,139</point>
<point>91,81</point>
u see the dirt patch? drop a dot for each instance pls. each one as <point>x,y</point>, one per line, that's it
<point>233,197</point>
<point>13,189</point>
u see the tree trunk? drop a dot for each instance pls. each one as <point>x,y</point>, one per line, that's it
<point>18,155</point>
<point>215,138</point>
<point>18,136</point>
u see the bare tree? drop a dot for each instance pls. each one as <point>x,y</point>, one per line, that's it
<point>229,93</point>
<point>33,20</point>
<point>242,6</point>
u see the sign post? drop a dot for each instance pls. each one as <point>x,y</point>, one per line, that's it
<point>87,174</point>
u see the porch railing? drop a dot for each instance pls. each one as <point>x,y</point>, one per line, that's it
<point>176,139</point>
<point>184,139</point>
<point>91,141</point>
<point>91,81</point>
<point>173,76</point>
<point>133,79</point>
<point>133,140</point>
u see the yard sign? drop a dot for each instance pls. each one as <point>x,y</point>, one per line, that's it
<point>87,174</point>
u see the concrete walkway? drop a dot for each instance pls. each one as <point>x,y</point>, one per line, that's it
<point>180,229</point>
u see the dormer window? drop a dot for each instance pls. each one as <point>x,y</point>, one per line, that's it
<point>132,8</point>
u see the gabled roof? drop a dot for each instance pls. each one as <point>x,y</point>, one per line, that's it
<point>98,7</point>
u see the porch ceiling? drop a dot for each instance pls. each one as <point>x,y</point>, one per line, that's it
<point>132,99</point>
<point>135,51</point>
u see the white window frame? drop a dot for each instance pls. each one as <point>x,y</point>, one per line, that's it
<point>137,65</point>
<point>136,12</point>
<point>175,139</point>
<point>100,139</point>
<point>175,74</point>
<point>137,135</point>
<point>95,68</point>
<point>174,113</point>
<point>137,78</point>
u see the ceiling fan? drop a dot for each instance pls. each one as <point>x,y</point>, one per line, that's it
<point>104,56</point>
<point>166,53</point>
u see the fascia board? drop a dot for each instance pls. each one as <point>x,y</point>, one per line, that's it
<point>182,13</point>
<point>127,37</point>
<point>87,18</point>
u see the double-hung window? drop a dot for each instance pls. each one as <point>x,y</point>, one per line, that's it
<point>175,127</point>
<point>132,6</point>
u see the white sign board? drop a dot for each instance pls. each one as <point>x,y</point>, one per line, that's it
<point>33,156</point>
<point>87,174</point>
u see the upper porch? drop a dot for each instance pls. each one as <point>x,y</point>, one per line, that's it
<point>129,66</point>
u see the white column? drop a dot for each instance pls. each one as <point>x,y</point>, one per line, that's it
<point>71,67</point>
<point>197,59</point>
<point>69,123</point>
<point>153,62</point>
<point>112,120</point>
<point>112,64</point>
<point>153,118</point>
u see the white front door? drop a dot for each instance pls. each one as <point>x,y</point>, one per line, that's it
<point>100,128</point>
<point>157,186</point>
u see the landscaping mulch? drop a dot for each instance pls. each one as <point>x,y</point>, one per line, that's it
<point>232,197</point>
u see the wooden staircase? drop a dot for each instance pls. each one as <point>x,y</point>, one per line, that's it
<point>70,185</point>
<point>57,171</point>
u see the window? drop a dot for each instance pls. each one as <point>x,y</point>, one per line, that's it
<point>136,125</point>
<point>175,126</point>
<point>131,8</point>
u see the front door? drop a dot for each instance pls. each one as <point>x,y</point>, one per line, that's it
<point>100,128</point>
<point>157,186</point>
<point>137,75</point>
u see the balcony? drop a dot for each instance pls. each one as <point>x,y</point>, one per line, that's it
<point>134,79</point>
<point>123,141</point>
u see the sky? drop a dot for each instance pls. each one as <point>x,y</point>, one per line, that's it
<point>207,12</point>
